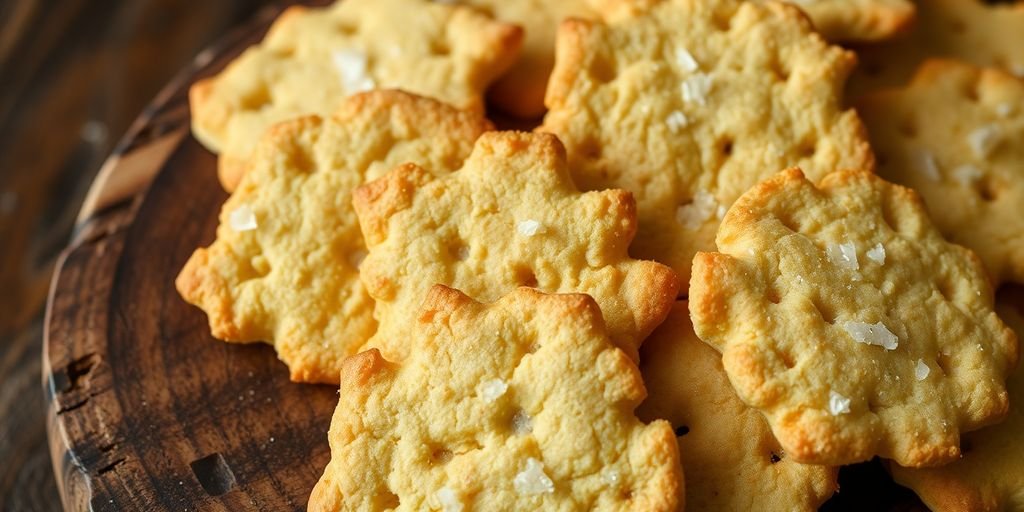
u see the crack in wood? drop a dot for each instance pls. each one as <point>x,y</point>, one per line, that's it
<point>112,466</point>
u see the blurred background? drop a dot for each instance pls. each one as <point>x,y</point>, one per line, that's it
<point>73,76</point>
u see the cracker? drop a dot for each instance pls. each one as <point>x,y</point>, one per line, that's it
<point>990,476</point>
<point>954,135</point>
<point>283,268</point>
<point>736,462</point>
<point>481,416</point>
<point>313,58</point>
<point>520,91</point>
<point>845,317</point>
<point>510,217</point>
<point>693,102</point>
<point>859,20</point>
<point>982,33</point>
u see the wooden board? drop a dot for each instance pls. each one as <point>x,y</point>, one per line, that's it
<point>146,410</point>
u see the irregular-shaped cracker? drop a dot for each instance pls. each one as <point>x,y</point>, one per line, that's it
<point>956,136</point>
<point>510,217</point>
<point>519,405</point>
<point>982,33</point>
<point>859,20</point>
<point>845,317</point>
<point>737,463</point>
<point>990,476</point>
<point>520,91</point>
<point>313,58</point>
<point>284,266</point>
<point>693,102</point>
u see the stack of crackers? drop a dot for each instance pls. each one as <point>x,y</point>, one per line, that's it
<point>712,254</point>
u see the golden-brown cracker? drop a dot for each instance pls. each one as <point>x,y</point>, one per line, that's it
<point>313,58</point>
<point>523,404</point>
<point>735,462</point>
<point>845,317</point>
<point>283,268</point>
<point>859,20</point>
<point>990,476</point>
<point>520,91</point>
<point>510,217</point>
<point>979,32</point>
<point>690,103</point>
<point>956,136</point>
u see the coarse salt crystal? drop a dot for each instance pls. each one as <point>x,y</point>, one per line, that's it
<point>448,500</point>
<point>924,162</point>
<point>242,219</point>
<point>686,60</point>
<point>696,88</point>
<point>528,227</point>
<point>1004,109</point>
<point>872,334</point>
<point>721,211</point>
<point>877,254</point>
<point>967,174</point>
<point>532,479</point>
<point>351,66</point>
<point>521,423</point>
<point>838,404</point>
<point>676,121</point>
<point>844,255</point>
<point>698,211</point>
<point>984,139</point>
<point>922,370</point>
<point>492,389</point>
<point>610,476</point>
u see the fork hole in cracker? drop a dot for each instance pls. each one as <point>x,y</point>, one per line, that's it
<point>988,189</point>
<point>943,362</point>
<point>787,359</point>
<point>386,500</point>
<point>774,458</point>
<point>525,276</point>
<point>908,128</point>
<point>440,456</point>
<point>681,430</point>
<point>808,148</point>
<point>773,295</point>
<point>603,70</point>
<point>825,311</point>
<point>945,289</point>
<point>458,250</point>
<point>725,146</point>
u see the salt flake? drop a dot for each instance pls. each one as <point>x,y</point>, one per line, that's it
<point>872,334</point>
<point>686,60</point>
<point>844,255</point>
<point>242,219</point>
<point>984,139</point>
<point>877,254</point>
<point>448,500</point>
<point>532,479</point>
<point>528,227</point>
<point>924,162</point>
<point>521,423</point>
<point>611,476</point>
<point>696,88</point>
<point>676,121</point>
<point>351,66</point>
<point>698,211</point>
<point>492,390</point>
<point>922,370</point>
<point>838,404</point>
<point>967,174</point>
<point>1004,109</point>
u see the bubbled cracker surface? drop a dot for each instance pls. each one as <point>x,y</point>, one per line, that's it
<point>428,48</point>
<point>990,476</point>
<point>774,101</point>
<point>510,217</point>
<point>975,199</point>
<point>776,305</point>
<point>293,281</point>
<point>402,432</point>
<point>978,32</point>
<point>734,462</point>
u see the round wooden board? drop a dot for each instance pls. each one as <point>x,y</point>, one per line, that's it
<point>146,410</point>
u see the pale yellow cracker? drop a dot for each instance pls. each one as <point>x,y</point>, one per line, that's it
<point>979,32</point>
<point>313,58</point>
<point>990,476</point>
<point>735,462</point>
<point>690,103</point>
<point>284,266</point>
<point>845,317</point>
<point>523,404</point>
<point>859,20</point>
<point>956,135</point>
<point>520,91</point>
<point>510,217</point>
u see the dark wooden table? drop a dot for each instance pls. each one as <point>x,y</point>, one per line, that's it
<point>73,75</point>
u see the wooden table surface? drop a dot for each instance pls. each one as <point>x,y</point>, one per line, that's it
<point>73,75</point>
